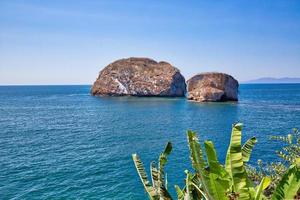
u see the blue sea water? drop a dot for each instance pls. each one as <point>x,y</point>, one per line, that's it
<point>58,142</point>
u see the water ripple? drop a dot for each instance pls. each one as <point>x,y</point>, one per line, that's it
<point>58,142</point>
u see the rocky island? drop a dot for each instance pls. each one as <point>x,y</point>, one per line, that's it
<point>139,77</point>
<point>212,87</point>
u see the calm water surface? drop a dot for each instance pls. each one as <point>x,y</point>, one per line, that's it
<point>58,142</point>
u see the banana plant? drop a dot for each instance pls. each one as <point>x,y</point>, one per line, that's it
<point>158,189</point>
<point>192,189</point>
<point>289,185</point>
<point>220,182</point>
<point>214,181</point>
<point>213,178</point>
<point>235,165</point>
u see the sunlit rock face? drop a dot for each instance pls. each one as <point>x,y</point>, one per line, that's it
<point>139,77</point>
<point>212,86</point>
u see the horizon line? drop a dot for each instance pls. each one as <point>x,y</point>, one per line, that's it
<point>16,85</point>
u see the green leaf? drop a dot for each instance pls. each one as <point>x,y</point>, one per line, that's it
<point>247,149</point>
<point>192,187</point>
<point>143,176</point>
<point>213,163</point>
<point>235,166</point>
<point>163,158</point>
<point>198,193</point>
<point>162,191</point>
<point>180,193</point>
<point>164,154</point>
<point>219,177</point>
<point>265,182</point>
<point>189,187</point>
<point>198,163</point>
<point>168,149</point>
<point>157,185</point>
<point>209,178</point>
<point>289,185</point>
<point>195,152</point>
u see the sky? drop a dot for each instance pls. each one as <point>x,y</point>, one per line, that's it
<point>70,41</point>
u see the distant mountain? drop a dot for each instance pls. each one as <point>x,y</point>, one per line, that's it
<point>275,80</point>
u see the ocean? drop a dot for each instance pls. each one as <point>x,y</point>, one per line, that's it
<point>59,142</point>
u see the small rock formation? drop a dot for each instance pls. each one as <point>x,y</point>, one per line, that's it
<point>139,77</point>
<point>212,86</point>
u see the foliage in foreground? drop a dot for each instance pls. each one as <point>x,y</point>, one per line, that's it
<point>213,181</point>
<point>289,154</point>
<point>158,188</point>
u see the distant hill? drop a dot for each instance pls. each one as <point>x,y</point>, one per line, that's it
<point>275,80</point>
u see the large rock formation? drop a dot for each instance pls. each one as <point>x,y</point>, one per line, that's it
<point>212,87</point>
<point>139,77</point>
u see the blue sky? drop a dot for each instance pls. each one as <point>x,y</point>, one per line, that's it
<point>69,42</point>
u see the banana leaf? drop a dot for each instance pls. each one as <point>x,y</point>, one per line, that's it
<point>265,182</point>
<point>220,181</point>
<point>247,149</point>
<point>192,189</point>
<point>154,175</point>
<point>289,185</point>
<point>180,193</point>
<point>234,164</point>
<point>162,191</point>
<point>198,164</point>
<point>163,157</point>
<point>143,176</point>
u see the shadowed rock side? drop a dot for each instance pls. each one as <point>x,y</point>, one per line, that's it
<point>212,87</point>
<point>139,77</point>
